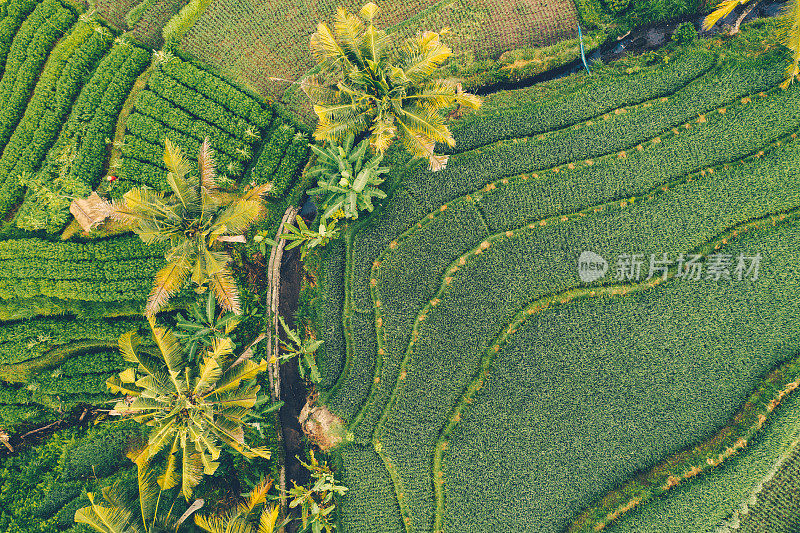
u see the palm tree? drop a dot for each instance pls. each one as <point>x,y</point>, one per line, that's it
<point>245,518</point>
<point>190,412</point>
<point>790,31</point>
<point>195,217</point>
<point>117,513</point>
<point>366,84</point>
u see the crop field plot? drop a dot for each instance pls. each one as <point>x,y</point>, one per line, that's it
<point>86,108</point>
<point>508,393</point>
<point>266,44</point>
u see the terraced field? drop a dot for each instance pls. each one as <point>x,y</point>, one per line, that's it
<point>485,386</point>
<point>267,43</point>
<point>86,109</point>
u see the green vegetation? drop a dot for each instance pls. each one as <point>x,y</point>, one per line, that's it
<point>625,14</point>
<point>444,315</point>
<point>347,182</point>
<point>190,414</point>
<point>365,84</point>
<point>77,157</point>
<point>192,219</point>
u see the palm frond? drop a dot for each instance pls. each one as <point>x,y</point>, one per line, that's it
<point>208,167</point>
<point>210,371</point>
<point>790,36</point>
<point>269,519</point>
<point>421,56</point>
<point>170,478</point>
<point>169,280</point>
<point>192,473</point>
<point>104,519</point>
<point>211,523</point>
<point>348,28</point>
<point>224,287</point>
<point>175,160</point>
<point>424,123</point>
<point>323,44</point>
<point>723,9</point>
<point>171,349</point>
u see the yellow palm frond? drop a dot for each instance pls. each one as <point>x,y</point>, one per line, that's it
<point>426,124</point>
<point>211,523</point>
<point>790,34</point>
<point>324,46</point>
<point>192,473</point>
<point>169,280</point>
<point>369,11</point>
<point>269,519</point>
<point>224,287</point>
<point>104,519</point>
<point>208,168</point>
<point>348,28</point>
<point>383,132</point>
<point>170,478</point>
<point>723,9</point>
<point>171,349</point>
<point>174,159</point>
<point>128,342</point>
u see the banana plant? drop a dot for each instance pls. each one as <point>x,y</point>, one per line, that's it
<point>301,235</point>
<point>303,350</point>
<point>347,178</point>
<point>192,413</point>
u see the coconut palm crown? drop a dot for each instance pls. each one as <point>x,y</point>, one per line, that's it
<point>790,29</point>
<point>118,512</point>
<point>193,218</point>
<point>191,412</point>
<point>367,83</point>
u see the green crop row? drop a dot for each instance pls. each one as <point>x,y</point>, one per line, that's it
<point>44,485</point>
<point>202,107</point>
<point>135,173</point>
<point>154,106</point>
<point>774,506</point>
<point>135,14</point>
<point>510,203</point>
<point>154,132</point>
<point>67,70</point>
<point>28,339</point>
<point>619,132</point>
<point>526,112</point>
<point>220,91</point>
<point>76,159</point>
<point>331,355</point>
<point>291,163</point>
<point>683,381</point>
<point>772,167</point>
<point>185,19</point>
<point>32,44</point>
<point>414,268</point>
<point>458,313</point>
<point>14,13</point>
<point>87,290</point>
<point>279,136</point>
<point>21,251</point>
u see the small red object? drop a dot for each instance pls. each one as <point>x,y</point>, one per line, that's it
<point>111,178</point>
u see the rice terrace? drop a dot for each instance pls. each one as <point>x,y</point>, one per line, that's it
<point>444,266</point>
